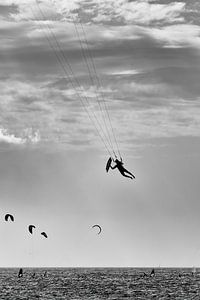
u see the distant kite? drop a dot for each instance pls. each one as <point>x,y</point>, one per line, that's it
<point>97,227</point>
<point>30,228</point>
<point>44,234</point>
<point>8,216</point>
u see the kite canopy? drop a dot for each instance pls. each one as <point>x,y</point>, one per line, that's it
<point>30,228</point>
<point>44,234</point>
<point>8,216</point>
<point>98,226</point>
<point>108,164</point>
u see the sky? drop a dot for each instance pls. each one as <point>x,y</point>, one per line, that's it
<point>82,80</point>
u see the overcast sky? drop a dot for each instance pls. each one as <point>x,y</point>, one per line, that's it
<point>53,132</point>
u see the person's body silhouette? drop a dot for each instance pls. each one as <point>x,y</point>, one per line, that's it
<point>20,273</point>
<point>122,170</point>
<point>152,273</point>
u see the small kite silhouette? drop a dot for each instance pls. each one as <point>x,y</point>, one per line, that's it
<point>8,216</point>
<point>30,228</point>
<point>108,164</point>
<point>98,226</point>
<point>44,234</point>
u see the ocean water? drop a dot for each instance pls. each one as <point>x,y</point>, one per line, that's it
<point>99,283</point>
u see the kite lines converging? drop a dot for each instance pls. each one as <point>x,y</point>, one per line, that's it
<point>101,122</point>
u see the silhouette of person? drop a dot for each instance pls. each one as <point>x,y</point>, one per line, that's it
<point>152,273</point>
<point>122,170</point>
<point>20,273</point>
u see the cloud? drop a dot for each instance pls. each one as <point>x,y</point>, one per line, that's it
<point>28,137</point>
<point>7,10</point>
<point>182,35</point>
<point>123,72</point>
<point>9,138</point>
<point>43,108</point>
<point>121,11</point>
<point>183,81</point>
<point>101,11</point>
<point>139,12</point>
<point>176,120</point>
<point>147,73</point>
<point>31,136</point>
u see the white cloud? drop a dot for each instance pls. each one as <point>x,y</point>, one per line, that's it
<point>65,8</point>
<point>28,137</point>
<point>31,136</point>
<point>177,35</point>
<point>140,11</point>
<point>123,72</point>
<point>9,138</point>
<point>59,120</point>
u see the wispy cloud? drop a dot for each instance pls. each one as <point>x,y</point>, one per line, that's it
<point>102,11</point>
<point>27,137</point>
<point>182,35</point>
<point>176,120</point>
<point>123,72</point>
<point>138,12</point>
<point>8,10</point>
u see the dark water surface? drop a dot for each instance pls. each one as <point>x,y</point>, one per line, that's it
<point>99,283</point>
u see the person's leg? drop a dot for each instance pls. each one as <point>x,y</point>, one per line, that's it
<point>130,173</point>
<point>123,174</point>
<point>124,170</point>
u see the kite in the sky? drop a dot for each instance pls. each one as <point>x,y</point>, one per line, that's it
<point>108,164</point>
<point>97,227</point>
<point>30,228</point>
<point>8,216</point>
<point>44,234</point>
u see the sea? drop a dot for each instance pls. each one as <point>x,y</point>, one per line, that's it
<point>99,283</point>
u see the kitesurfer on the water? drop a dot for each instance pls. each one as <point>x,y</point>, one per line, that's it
<point>20,273</point>
<point>122,170</point>
<point>152,273</point>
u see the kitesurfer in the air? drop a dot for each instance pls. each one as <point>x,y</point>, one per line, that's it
<point>122,170</point>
